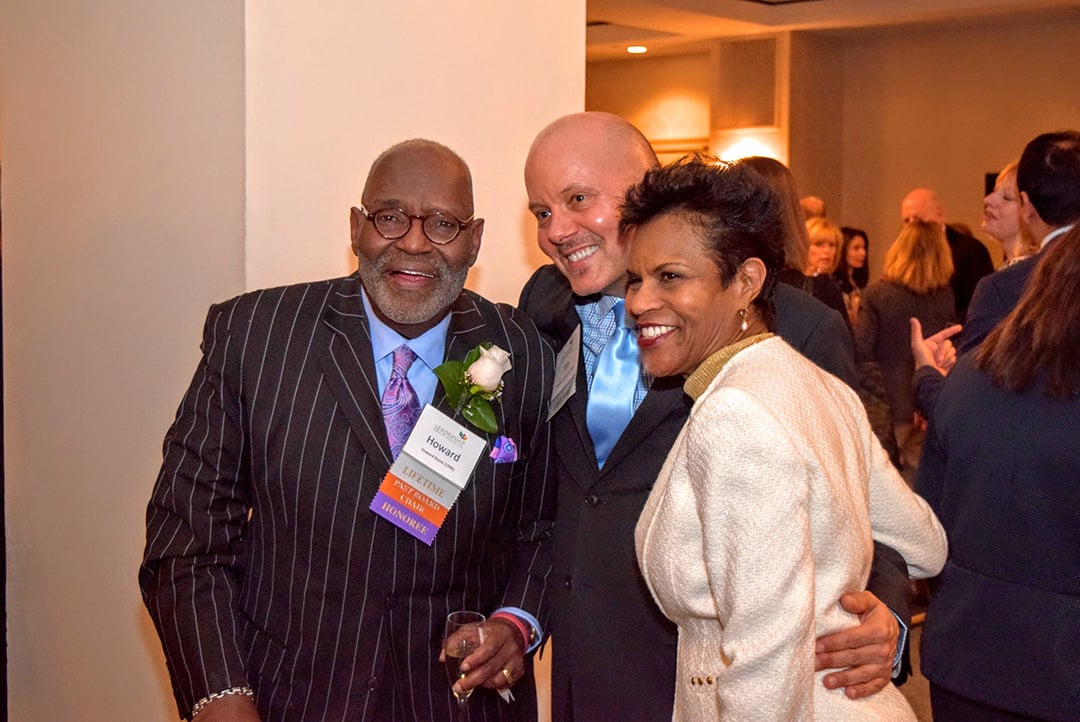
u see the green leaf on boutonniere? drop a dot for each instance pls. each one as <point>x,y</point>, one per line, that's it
<point>472,397</point>
<point>481,415</point>
<point>452,376</point>
<point>474,354</point>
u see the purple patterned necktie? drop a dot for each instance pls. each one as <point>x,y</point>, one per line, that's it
<point>400,407</point>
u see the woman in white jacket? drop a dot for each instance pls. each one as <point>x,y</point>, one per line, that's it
<point>767,507</point>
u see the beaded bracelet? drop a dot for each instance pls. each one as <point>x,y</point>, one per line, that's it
<point>246,691</point>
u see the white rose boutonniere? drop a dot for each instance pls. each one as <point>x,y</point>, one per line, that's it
<point>487,371</point>
<point>472,384</point>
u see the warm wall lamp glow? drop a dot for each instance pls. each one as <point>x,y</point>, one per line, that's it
<point>637,49</point>
<point>745,147</point>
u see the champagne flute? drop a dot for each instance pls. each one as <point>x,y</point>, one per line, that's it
<point>461,638</point>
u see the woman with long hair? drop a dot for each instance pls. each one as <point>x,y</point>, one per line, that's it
<point>797,242</point>
<point>915,283</point>
<point>999,466</point>
<point>852,272</point>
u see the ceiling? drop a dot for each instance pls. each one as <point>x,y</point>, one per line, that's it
<point>669,26</point>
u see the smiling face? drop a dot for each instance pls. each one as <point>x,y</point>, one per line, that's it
<point>676,296</point>
<point>576,174</point>
<point>411,281</point>
<point>1001,209</point>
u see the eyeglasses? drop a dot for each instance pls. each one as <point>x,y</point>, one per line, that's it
<point>394,223</point>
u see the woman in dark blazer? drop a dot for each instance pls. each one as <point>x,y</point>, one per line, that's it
<point>1000,468</point>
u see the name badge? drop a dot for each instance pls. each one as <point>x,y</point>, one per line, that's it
<point>429,474</point>
<point>566,367</point>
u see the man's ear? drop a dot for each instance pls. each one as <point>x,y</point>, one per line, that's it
<point>1027,211</point>
<point>356,222</point>
<point>474,233</point>
<point>751,277</point>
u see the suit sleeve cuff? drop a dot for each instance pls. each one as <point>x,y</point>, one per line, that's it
<point>901,641</point>
<point>537,634</point>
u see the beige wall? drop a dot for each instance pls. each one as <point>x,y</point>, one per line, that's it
<point>482,77</point>
<point>159,156</point>
<point>667,98</point>
<point>123,214</point>
<point>877,113</point>
<point>942,108</point>
<point>816,124</point>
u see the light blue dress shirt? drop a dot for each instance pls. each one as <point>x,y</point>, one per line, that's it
<point>597,326</point>
<point>430,350</point>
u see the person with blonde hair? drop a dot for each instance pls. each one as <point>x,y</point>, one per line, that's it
<point>971,260</point>
<point>825,238</point>
<point>1001,218</point>
<point>915,283</point>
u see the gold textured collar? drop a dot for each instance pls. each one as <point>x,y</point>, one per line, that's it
<point>703,375</point>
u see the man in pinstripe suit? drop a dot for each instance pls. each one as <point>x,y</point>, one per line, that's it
<point>277,593</point>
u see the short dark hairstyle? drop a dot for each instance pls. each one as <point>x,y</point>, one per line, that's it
<point>739,216</point>
<point>1049,172</point>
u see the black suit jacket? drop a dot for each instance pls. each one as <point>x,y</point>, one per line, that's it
<point>995,298</point>
<point>971,261</point>
<point>999,469</point>
<point>614,652</point>
<point>264,565</point>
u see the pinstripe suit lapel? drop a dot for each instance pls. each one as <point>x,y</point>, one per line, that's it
<point>467,330</point>
<point>350,367</point>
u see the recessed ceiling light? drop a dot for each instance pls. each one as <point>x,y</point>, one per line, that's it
<point>637,49</point>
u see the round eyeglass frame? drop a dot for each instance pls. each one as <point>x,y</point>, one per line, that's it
<point>434,216</point>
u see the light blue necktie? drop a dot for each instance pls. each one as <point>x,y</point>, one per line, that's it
<point>611,396</point>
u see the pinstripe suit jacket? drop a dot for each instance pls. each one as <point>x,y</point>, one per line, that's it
<point>264,565</point>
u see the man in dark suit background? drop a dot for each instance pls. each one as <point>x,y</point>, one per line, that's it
<point>614,652</point>
<point>971,260</point>
<point>278,594</point>
<point>1048,180</point>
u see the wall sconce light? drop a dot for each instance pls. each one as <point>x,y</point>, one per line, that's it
<point>745,142</point>
<point>637,49</point>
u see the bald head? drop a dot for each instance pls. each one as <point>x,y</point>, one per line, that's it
<point>576,175</point>
<point>432,163</point>
<point>603,138</point>
<point>410,279</point>
<point>922,204</point>
<point>812,207</point>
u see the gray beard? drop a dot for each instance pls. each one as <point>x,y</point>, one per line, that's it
<point>412,311</point>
